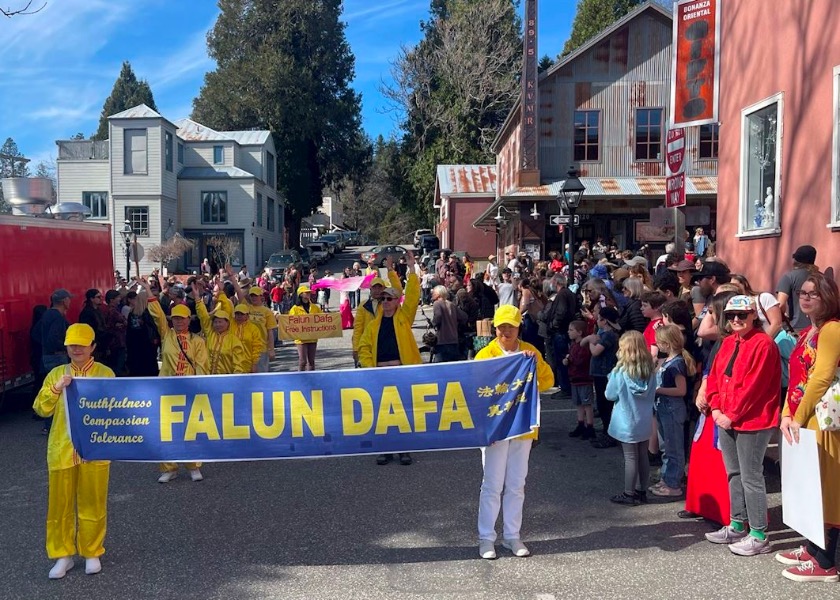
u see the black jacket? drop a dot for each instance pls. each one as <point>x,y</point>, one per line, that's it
<point>631,317</point>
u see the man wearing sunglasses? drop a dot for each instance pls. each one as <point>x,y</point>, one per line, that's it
<point>388,340</point>
<point>713,274</point>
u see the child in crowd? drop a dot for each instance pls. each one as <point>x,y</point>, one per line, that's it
<point>276,297</point>
<point>670,407</point>
<point>651,309</point>
<point>577,360</point>
<point>632,387</point>
<point>603,345</point>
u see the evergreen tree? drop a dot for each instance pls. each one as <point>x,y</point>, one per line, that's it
<point>128,91</point>
<point>287,67</point>
<point>592,17</point>
<point>545,63</point>
<point>11,166</point>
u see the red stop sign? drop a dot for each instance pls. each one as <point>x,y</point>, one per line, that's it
<point>675,151</point>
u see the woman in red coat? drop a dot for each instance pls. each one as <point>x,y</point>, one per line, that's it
<point>743,394</point>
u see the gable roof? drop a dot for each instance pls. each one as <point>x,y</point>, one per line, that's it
<point>141,111</point>
<point>256,137</point>
<point>191,131</point>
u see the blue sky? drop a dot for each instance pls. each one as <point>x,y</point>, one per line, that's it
<point>58,66</point>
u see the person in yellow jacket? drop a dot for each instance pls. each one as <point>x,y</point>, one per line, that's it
<point>389,340</point>
<point>506,462</point>
<point>246,332</point>
<point>78,489</point>
<point>368,311</point>
<point>304,306</point>
<point>182,353</point>
<point>226,353</point>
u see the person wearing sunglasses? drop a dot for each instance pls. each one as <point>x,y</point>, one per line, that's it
<point>388,339</point>
<point>742,392</point>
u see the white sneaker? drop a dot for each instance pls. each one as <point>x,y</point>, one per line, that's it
<point>92,566</point>
<point>517,547</point>
<point>195,475</point>
<point>61,566</point>
<point>167,476</point>
<point>486,549</point>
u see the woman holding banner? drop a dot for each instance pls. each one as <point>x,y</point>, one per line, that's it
<point>304,306</point>
<point>78,489</point>
<point>813,364</point>
<point>506,462</point>
<point>182,353</point>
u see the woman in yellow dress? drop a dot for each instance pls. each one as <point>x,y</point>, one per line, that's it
<point>182,353</point>
<point>78,489</point>
<point>304,306</point>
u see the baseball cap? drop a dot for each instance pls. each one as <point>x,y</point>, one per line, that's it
<point>712,269</point>
<point>636,260</point>
<point>242,308</point>
<point>740,303</point>
<point>79,334</point>
<point>59,295</point>
<point>807,255</point>
<point>391,292</point>
<point>221,314</point>
<point>683,265</point>
<point>378,281</point>
<point>303,289</point>
<point>255,291</point>
<point>181,310</point>
<point>507,314</point>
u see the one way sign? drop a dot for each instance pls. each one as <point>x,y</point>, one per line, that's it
<point>564,220</point>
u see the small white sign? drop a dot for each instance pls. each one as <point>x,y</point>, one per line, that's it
<point>802,506</point>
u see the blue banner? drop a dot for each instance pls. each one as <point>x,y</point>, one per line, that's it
<point>294,415</point>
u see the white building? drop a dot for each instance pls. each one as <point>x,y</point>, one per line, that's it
<point>164,177</point>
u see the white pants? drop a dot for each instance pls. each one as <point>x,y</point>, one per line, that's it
<point>505,468</point>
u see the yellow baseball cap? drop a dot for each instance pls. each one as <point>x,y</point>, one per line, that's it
<point>181,310</point>
<point>79,334</point>
<point>242,308</point>
<point>303,289</point>
<point>378,281</point>
<point>255,291</point>
<point>507,314</point>
<point>221,314</point>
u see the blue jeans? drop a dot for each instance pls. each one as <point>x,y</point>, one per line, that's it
<point>671,414</point>
<point>560,342</point>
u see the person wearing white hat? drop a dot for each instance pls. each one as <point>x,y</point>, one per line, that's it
<point>304,306</point>
<point>78,489</point>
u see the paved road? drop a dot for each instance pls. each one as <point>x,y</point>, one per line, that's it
<point>346,528</point>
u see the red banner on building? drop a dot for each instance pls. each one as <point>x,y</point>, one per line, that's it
<point>695,61</point>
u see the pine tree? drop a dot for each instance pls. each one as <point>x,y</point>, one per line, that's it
<point>128,91</point>
<point>287,67</point>
<point>592,17</point>
<point>11,166</point>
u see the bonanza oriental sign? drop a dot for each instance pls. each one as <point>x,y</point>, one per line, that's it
<point>695,68</point>
<point>295,415</point>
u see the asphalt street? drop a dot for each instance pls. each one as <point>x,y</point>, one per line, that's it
<point>346,528</point>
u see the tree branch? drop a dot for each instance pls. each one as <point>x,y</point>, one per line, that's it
<point>8,12</point>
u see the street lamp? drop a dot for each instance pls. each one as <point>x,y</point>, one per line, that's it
<point>570,196</point>
<point>127,232</point>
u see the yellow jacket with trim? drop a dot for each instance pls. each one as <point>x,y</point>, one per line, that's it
<point>365,314</point>
<point>226,354</point>
<point>297,309</point>
<point>48,403</point>
<point>173,362</point>
<point>403,321</point>
<point>263,318</point>
<point>545,375</point>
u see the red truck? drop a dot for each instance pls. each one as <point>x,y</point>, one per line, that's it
<point>37,256</point>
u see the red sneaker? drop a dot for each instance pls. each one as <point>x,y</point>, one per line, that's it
<point>811,571</point>
<point>795,557</point>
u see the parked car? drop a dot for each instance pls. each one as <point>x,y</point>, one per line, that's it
<point>428,242</point>
<point>379,254</point>
<point>279,261</point>
<point>319,251</point>
<point>420,232</point>
<point>306,258</point>
<point>333,238</point>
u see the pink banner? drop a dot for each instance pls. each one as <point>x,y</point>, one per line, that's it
<point>348,284</point>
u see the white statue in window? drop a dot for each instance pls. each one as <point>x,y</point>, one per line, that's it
<point>768,206</point>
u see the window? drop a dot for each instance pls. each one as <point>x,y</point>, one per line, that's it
<point>259,209</point>
<point>649,134</point>
<point>270,213</point>
<point>761,130</point>
<point>270,168</point>
<point>709,135</point>
<point>138,216</point>
<point>587,138</point>
<point>835,170</point>
<point>167,150</point>
<point>134,156</point>
<point>97,202</point>
<point>180,153</point>
<point>218,155</point>
<point>214,207</point>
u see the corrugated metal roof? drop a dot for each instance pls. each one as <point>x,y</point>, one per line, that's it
<point>248,138</point>
<point>214,173</point>
<point>623,186</point>
<point>141,111</point>
<point>191,131</point>
<point>466,179</point>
